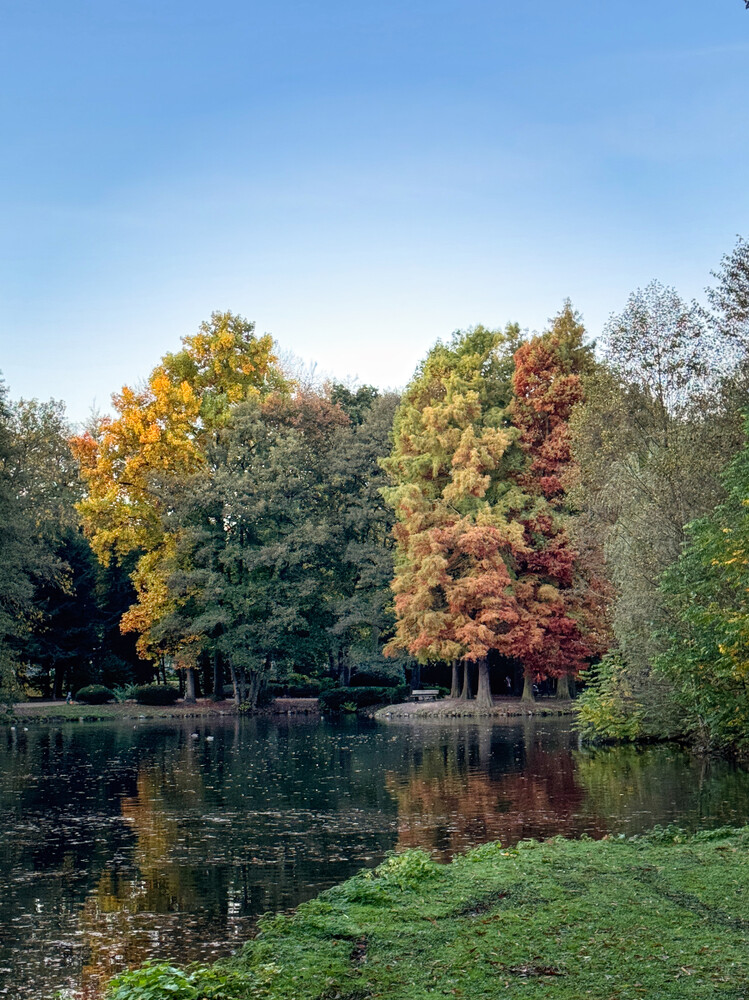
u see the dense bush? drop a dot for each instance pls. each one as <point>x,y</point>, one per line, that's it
<point>95,694</point>
<point>361,697</point>
<point>155,694</point>
<point>300,686</point>
<point>296,686</point>
<point>374,678</point>
<point>623,704</point>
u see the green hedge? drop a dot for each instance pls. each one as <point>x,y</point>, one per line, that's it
<point>362,697</point>
<point>155,694</point>
<point>95,694</point>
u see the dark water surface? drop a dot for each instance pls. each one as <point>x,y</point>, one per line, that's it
<point>121,842</point>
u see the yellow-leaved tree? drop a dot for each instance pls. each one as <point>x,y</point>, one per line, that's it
<point>159,432</point>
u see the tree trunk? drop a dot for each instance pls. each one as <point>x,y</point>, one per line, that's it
<point>189,685</point>
<point>59,682</point>
<point>528,689</point>
<point>455,687</point>
<point>218,678</point>
<point>416,676</point>
<point>344,671</point>
<point>484,693</point>
<point>206,678</point>
<point>466,694</point>
<point>236,684</point>
<point>563,687</point>
<point>256,685</point>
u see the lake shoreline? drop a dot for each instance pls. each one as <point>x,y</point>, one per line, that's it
<point>658,915</point>
<point>53,712</point>
<point>454,708</point>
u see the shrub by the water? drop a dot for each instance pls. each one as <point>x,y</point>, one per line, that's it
<point>339,699</point>
<point>95,694</point>
<point>155,694</point>
<point>623,704</point>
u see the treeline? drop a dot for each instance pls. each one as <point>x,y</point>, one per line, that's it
<point>227,523</point>
<point>534,510</point>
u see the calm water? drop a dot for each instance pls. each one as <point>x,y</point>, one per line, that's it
<point>121,842</point>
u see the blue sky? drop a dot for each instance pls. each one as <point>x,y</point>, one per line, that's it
<point>359,179</point>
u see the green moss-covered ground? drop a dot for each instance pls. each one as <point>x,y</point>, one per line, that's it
<point>661,917</point>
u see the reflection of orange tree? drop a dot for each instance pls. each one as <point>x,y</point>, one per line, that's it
<point>151,909</point>
<point>447,808</point>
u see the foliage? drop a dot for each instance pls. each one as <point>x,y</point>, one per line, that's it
<point>548,384</point>
<point>255,553</point>
<point>454,505</point>
<point>706,633</point>
<point>160,432</point>
<point>95,694</point>
<point>558,585</point>
<point>35,483</point>
<point>618,704</point>
<point>361,600</point>
<point>485,564</point>
<point>334,700</point>
<point>532,498</point>
<point>669,917</point>
<point>650,442</point>
<point>157,980</point>
<point>155,694</point>
<point>124,692</point>
<point>297,686</point>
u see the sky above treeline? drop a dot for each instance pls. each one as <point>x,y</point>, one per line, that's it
<point>359,179</point>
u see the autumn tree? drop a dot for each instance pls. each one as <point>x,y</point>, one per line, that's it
<point>159,431</point>
<point>548,385</point>
<point>456,507</point>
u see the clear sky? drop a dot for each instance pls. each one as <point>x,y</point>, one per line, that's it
<point>358,178</point>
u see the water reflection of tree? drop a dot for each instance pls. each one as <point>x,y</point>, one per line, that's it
<point>151,905</point>
<point>636,788</point>
<point>219,837</point>
<point>467,791</point>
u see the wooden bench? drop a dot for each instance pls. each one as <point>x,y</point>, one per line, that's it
<point>428,694</point>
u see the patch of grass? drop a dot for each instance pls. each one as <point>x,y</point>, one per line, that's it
<point>30,711</point>
<point>665,916</point>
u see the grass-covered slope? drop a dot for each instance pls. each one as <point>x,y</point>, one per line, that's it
<point>660,917</point>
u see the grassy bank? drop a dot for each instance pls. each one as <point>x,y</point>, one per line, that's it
<point>60,711</point>
<point>664,917</point>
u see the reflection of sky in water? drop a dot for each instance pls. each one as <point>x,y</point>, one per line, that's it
<point>122,842</point>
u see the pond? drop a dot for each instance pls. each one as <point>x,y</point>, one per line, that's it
<point>122,842</point>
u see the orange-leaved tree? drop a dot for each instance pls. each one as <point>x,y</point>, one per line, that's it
<point>457,532</point>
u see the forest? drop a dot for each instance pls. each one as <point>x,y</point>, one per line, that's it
<point>533,511</point>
